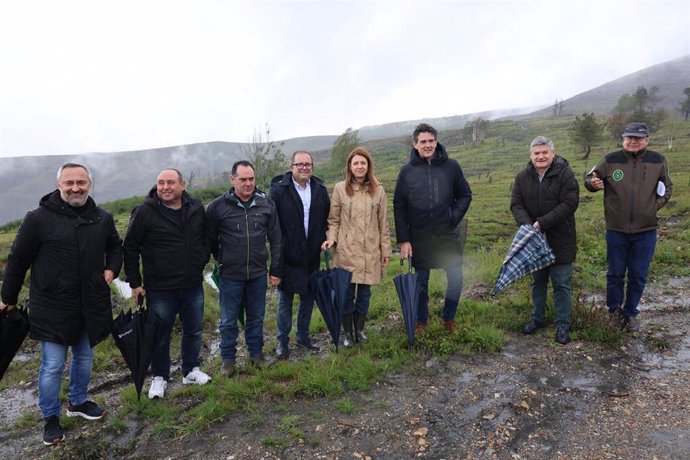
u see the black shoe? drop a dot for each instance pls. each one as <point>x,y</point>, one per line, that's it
<point>562,335</point>
<point>308,344</point>
<point>632,324</point>
<point>616,319</point>
<point>533,326</point>
<point>257,361</point>
<point>229,368</point>
<point>88,410</point>
<point>52,431</point>
<point>282,351</point>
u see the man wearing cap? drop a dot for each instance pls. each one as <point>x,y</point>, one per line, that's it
<point>636,184</point>
<point>545,195</point>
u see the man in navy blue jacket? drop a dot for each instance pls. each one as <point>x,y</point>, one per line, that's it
<point>431,199</point>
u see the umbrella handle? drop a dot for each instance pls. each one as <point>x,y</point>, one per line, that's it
<point>328,265</point>
<point>409,264</point>
<point>140,300</point>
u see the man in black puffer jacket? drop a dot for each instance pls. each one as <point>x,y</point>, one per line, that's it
<point>431,199</point>
<point>545,195</point>
<point>74,253</point>
<point>169,232</point>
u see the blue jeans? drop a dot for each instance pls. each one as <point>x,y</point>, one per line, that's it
<point>189,304</point>
<point>562,293</point>
<point>450,306</point>
<point>284,318</point>
<point>632,252</point>
<point>53,357</point>
<point>360,304</point>
<point>232,294</point>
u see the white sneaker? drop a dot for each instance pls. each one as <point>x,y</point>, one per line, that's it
<point>197,377</point>
<point>157,389</point>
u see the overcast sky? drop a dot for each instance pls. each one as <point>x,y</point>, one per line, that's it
<point>96,76</point>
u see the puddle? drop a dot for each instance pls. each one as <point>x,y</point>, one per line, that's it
<point>663,364</point>
<point>15,402</point>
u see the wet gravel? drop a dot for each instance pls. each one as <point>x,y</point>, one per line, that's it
<point>535,399</point>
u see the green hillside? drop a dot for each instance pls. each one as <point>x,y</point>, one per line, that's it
<point>485,322</point>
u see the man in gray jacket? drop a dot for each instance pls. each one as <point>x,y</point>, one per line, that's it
<point>240,222</point>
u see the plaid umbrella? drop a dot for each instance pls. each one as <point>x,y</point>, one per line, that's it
<point>528,253</point>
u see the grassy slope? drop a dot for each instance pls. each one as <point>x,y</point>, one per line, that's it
<point>483,320</point>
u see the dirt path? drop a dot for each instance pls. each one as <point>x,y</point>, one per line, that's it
<point>534,399</point>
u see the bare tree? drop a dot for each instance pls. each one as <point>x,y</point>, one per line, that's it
<point>557,107</point>
<point>266,156</point>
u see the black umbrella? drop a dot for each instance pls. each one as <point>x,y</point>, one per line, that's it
<point>408,293</point>
<point>137,334</point>
<point>330,292</point>
<point>14,326</point>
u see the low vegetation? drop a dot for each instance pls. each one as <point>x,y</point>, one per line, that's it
<point>486,322</point>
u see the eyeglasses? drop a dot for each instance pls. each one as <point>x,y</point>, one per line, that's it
<point>302,165</point>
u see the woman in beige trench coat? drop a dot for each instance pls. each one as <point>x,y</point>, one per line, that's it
<point>358,230</point>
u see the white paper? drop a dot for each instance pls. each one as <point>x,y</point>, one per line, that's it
<point>660,188</point>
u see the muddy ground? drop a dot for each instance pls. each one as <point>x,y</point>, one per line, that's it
<point>535,399</point>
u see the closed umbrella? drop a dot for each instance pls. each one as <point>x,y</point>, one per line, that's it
<point>408,293</point>
<point>330,292</point>
<point>137,334</point>
<point>528,253</point>
<point>14,326</point>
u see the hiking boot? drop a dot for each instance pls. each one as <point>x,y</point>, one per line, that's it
<point>88,410</point>
<point>229,368</point>
<point>632,324</point>
<point>616,319</point>
<point>419,329</point>
<point>450,326</point>
<point>257,361</point>
<point>52,431</point>
<point>282,351</point>
<point>533,327</point>
<point>562,335</point>
<point>196,377</point>
<point>348,341</point>
<point>308,344</point>
<point>157,389</point>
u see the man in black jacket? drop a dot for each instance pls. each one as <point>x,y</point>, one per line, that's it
<point>545,195</point>
<point>431,199</point>
<point>169,233</point>
<point>74,253</point>
<point>302,203</point>
<point>241,222</point>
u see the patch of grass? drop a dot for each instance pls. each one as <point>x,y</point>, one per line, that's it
<point>290,426</point>
<point>275,441</point>
<point>28,419</point>
<point>345,405</point>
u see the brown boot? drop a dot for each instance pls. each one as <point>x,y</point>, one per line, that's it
<point>450,325</point>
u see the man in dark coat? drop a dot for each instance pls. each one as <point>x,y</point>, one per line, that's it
<point>169,234</point>
<point>431,198</point>
<point>302,203</point>
<point>241,223</point>
<point>545,195</point>
<point>74,253</point>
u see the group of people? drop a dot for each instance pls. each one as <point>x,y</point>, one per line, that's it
<point>636,184</point>
<point>276,239</point>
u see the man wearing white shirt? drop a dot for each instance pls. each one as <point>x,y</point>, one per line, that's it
<point>302,203</point>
